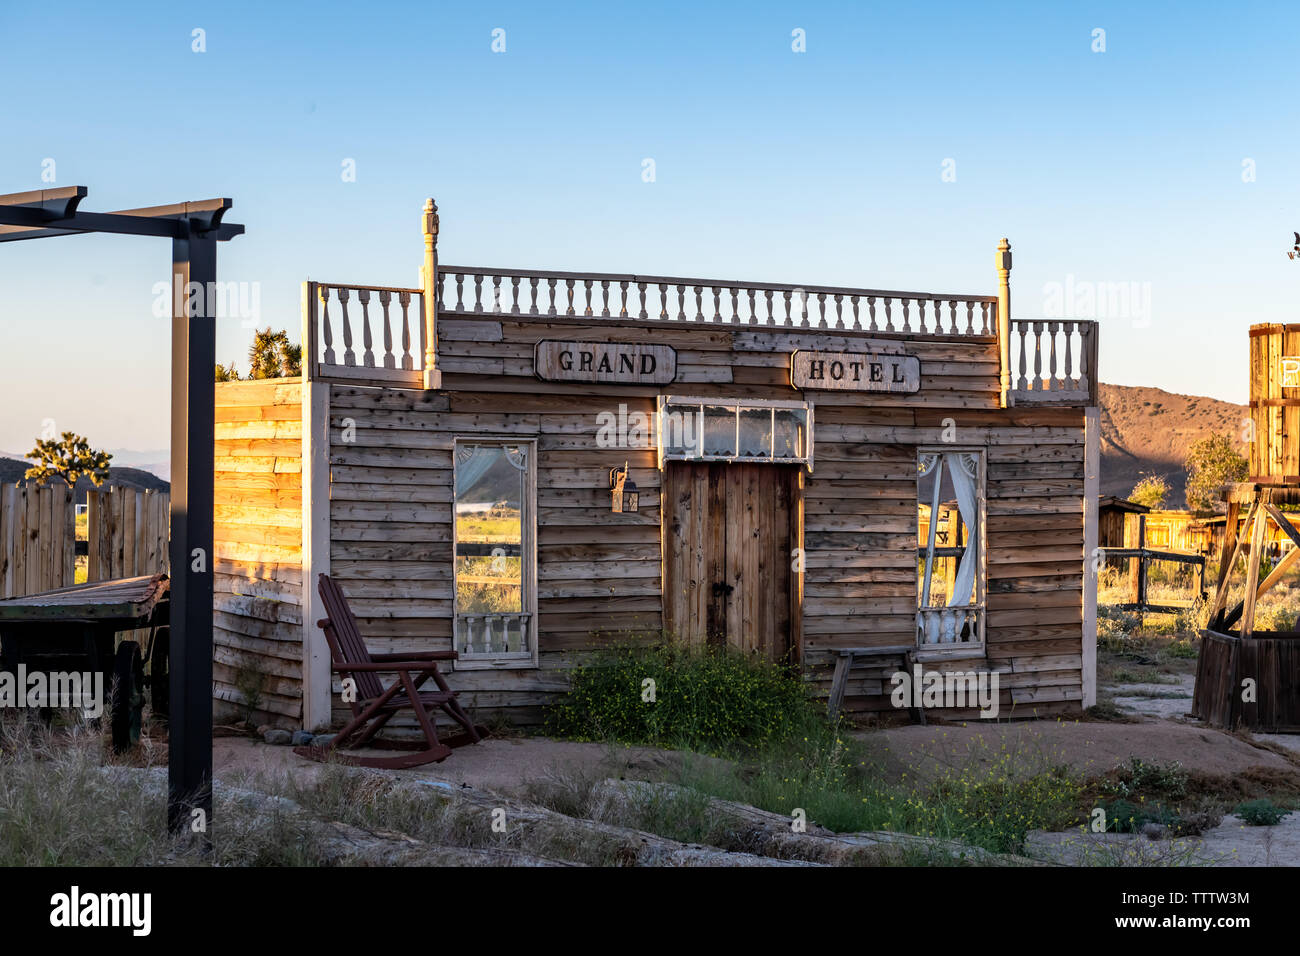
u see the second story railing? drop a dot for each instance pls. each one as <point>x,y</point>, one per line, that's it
<point>1053,361</point>
<point>477,290</point>
<point>364,333</point>
<point>376,334</point>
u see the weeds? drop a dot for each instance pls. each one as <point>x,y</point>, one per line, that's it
<point>1261,813</point>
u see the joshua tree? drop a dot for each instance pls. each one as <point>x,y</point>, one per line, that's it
<point>272,355</point>
<point>68,458</point>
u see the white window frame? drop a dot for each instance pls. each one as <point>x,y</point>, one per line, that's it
<point>740,405</point>
<point>979,537</point>
<point>508,660</point>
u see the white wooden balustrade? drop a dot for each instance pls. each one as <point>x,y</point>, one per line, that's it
<point>475,290</point>
<point>500,635</point>
<point>1053,361</point>
<point>376,334</point>
<point>364,334</point>
<point>949,625</point>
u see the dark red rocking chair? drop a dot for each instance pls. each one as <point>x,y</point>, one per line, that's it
<point>374,706</point>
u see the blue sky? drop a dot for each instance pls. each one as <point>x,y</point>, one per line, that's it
<point>816,167</point>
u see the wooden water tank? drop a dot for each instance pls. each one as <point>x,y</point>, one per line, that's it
<point>1275,403</point>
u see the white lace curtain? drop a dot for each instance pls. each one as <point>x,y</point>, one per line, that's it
<point>963,472</point>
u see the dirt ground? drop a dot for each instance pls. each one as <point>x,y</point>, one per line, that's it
<point>1151,688</point>
<point>1091,747</point>
<point>900,752</point>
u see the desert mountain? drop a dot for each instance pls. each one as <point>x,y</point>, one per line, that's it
<point>1148,430</point>
<point>12,470</point>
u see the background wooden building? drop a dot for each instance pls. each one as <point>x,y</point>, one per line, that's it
<point>447,458</point>
<point>1248,674</point>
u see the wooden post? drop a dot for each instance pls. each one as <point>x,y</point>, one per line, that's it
<point>432,377</point>
<point>1227,559</point>
<point>1004,318</point>
<point>315,552</point>
<point>310,320</point>
<point>1091,488</point>
<point>1134,564</point>
<point>1252,570</point>
<point>194,353</point>
<point>1142,569</point>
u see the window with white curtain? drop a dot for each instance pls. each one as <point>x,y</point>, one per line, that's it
<point>951,541</point>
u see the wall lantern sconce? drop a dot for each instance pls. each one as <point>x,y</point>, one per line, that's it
<point>623,493</point>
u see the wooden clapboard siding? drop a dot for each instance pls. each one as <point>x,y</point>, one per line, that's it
<point>257,544</point>
<point>391,528</point>
<point>600,574</point>
<point>860,508</point>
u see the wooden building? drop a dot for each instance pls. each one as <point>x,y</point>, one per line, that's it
<point>449,453</point>
<point>1246,676</point>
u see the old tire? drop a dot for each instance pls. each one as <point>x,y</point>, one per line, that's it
<point>127,696</point>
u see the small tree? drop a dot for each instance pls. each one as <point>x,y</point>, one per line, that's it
<point>68,458</point>
<point>272,355</point>
<point>227,373</point>
<point>1151,492</point>
<point>1211,462</point>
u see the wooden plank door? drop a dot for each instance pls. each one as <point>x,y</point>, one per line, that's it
<point>729,531</point>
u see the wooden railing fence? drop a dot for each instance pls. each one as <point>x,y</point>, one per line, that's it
<point>376,334</point>
<point>126,535</point>
<point>37,539</point>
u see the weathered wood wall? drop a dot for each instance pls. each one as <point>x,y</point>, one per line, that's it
<point>126,533</point>
<point>257,545</point>
<point>37,539</point>
<point>1274,408</point>
<point>599,572</point>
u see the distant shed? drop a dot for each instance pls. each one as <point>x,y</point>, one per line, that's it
<point>1113,515</point>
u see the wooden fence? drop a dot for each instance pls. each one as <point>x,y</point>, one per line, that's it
<point>126,535</point>
<point>37,539</point>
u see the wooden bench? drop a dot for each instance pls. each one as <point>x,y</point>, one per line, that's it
<point>845,659</point>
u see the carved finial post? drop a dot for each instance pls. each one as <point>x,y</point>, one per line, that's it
<point>1003,261</point>
<point>432,377</point>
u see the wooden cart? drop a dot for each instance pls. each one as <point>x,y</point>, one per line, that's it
<point>75,628</point>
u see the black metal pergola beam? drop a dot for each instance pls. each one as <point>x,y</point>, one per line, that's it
<point>53,212</point>
<point>195,228</point>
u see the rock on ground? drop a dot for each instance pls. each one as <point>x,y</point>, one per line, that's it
<point>1231,843</point>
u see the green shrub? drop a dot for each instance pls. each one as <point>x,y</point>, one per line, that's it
<point>994,809</point>
<point>1261,813</point>
<point>703,700</point>
<point>1125,816</point>
<point>1139,778</point>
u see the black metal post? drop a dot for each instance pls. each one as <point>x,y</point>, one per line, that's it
<point>194,272</point>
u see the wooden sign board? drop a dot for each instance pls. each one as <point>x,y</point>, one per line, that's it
<point>1290,371</point>
<point>605,363</point>
<point>856,371</point>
